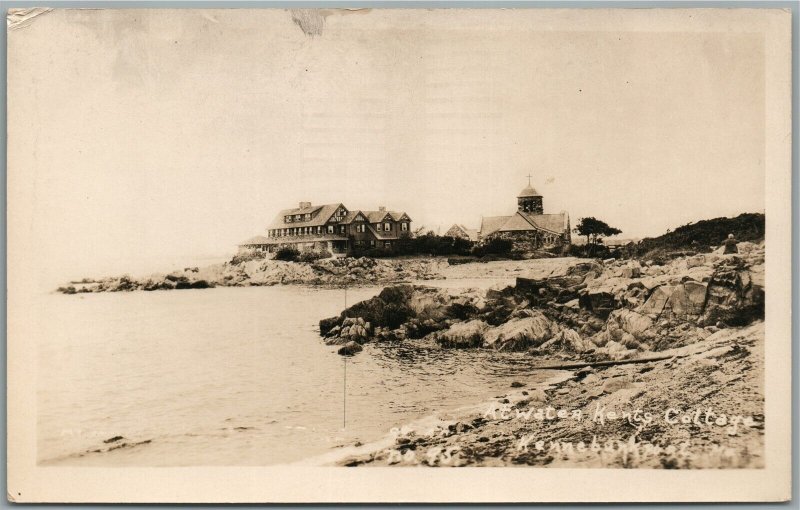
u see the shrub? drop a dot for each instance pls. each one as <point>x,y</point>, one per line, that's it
<point>426,244</point>
<point>494,246</point>
<point>246,256</point>
<point>311,256</point>
<point>288,254</point>
<point>454,261</point>
<point>592,251</point>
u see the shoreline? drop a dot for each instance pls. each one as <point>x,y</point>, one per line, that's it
<point>682,433</point>
<point>340,455</point>
<point>327,273</point>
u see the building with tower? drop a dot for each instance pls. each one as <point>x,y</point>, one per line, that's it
<point>529,228</point>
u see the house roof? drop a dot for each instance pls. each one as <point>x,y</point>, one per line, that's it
<point>378,216</point>
<point>528,191</point>
<point>471,233</point>
<point>491,224</point>
<point>324,213</point>
<point>351,216</point>
<point>255,240</point>
<point>556,223</point>
<point>520,222</point>
<point>322,217</point>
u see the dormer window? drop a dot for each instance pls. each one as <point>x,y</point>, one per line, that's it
<point>380,227</point>
<point>404,226</point>
<point>387,226</point>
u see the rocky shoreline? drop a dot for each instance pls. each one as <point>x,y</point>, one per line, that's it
<point>671,355</point>
<point>338,272</point>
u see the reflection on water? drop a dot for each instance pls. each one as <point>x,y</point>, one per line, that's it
<point>234,377</point>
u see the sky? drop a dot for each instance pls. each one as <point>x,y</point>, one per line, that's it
<point>151,139</point>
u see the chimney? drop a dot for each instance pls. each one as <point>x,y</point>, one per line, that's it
<point>382,208</point>
<point>305,205</point>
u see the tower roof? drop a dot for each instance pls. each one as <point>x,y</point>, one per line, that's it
<point>528,192</point>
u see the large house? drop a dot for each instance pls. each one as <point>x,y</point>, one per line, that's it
<point>331,227</point>
<point>529,228</point>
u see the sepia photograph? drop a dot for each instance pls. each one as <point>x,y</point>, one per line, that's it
<point>256,245</point>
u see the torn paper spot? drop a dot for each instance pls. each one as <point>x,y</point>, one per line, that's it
<point>310,21</point>
<point>21,18</point>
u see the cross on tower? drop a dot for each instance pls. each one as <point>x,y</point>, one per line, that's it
<point>529,179</point>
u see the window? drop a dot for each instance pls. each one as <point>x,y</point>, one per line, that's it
<point>372,242</point>
<point>342,229</point>
<point>287,219</point>
<point>387,226</point>
<point>361,228</point>
<point>330,229</point>
<point>380,227</point>
<point>388,244</point>
<point>319,229</point>
<point>298,217</point>
<point>404,226</point>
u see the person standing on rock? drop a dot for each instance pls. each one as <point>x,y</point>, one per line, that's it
<point>730,245</point>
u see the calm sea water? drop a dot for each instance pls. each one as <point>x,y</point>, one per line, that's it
<point>234,376</point>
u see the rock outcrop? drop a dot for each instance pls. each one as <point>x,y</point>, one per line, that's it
<point>610,309</point>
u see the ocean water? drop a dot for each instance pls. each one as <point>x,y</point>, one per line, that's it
<point>234,376</point>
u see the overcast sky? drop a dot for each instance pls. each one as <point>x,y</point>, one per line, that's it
<point>154,137</point>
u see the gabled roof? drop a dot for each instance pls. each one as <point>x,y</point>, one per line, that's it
<point>471,233</point>
<point>528,192</point>
<point>520,222</point>
<point>352,215</point>
<point>556,223</point>
<point>254,240</point>
<point>322,217</point>
<point>491,224</point>
<point>378,216</point>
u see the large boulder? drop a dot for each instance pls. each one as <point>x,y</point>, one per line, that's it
<point>633,323</point>
<point>600,301</point>
<point>657,301</point>
<point>350,348</point>
<point>522,334</point>
<point>567,340</point>
<point>688,300</point>
<point>463,335</point>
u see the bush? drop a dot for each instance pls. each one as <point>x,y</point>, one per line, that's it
<point>311,256</point>
<point>494,246</point>
<point>246,256</point>
<point>592,251</point>
<point>288,254</point>
<point>454,261</point>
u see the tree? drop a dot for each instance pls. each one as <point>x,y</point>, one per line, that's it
<point>594,229</point>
